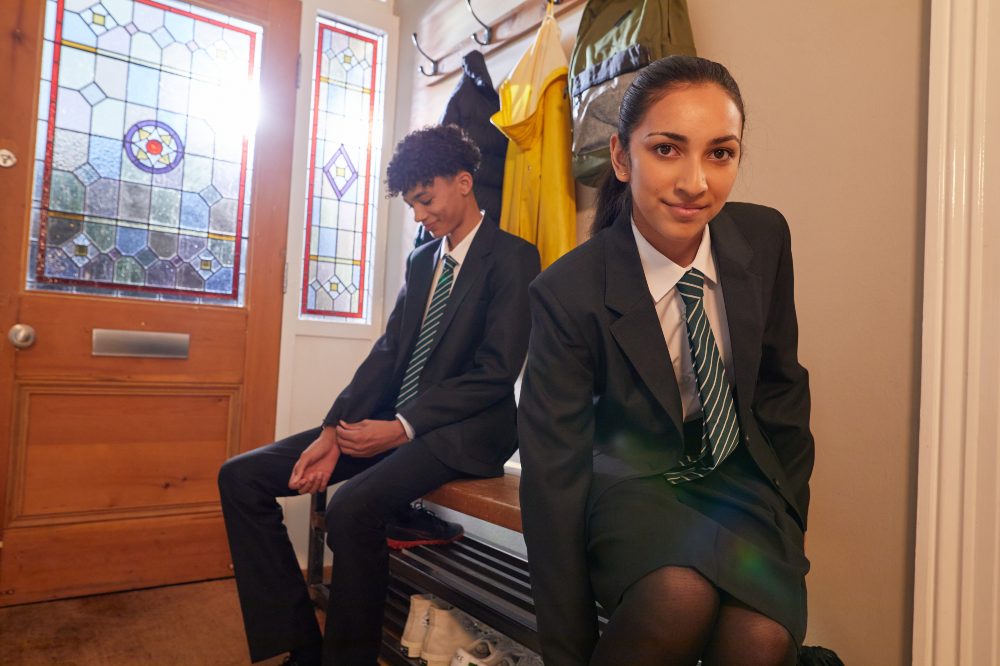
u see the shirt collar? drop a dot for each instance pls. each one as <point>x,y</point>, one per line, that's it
<point>662,274</point>
<point>459,251</point>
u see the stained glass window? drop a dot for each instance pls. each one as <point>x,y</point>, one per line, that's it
<point>344,158</point>
<point>147,113</point>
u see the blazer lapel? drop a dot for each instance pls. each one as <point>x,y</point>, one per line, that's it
<point>637,330</point>
<point>418,289</point>
<point>471,271</point>
<point>741,294</point>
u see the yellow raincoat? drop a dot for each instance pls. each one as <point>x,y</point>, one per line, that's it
<point>539,196</point>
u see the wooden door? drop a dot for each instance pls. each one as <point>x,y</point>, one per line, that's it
<point>145,198</point>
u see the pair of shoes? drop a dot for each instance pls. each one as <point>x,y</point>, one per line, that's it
<point>415,629</point>
<point>434,631</point>
<point>418,526</point>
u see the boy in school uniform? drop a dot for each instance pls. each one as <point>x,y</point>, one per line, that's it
<point>432,402</point>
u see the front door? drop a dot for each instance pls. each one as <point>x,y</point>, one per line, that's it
<point>143,217</point>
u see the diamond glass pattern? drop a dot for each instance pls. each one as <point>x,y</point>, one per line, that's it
<point>344,158</point>
<point>340,172</point>
<point>144,151</point>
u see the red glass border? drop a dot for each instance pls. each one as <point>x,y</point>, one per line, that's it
<point>47,171</point>
<point>305,309</point>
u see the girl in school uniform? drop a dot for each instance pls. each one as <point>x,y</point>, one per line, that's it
<point>664,416</point>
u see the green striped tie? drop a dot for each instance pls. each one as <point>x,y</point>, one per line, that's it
<point>427,330</point>
<point>721,431</point>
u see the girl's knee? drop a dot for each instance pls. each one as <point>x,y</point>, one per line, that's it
<point>742,635</point>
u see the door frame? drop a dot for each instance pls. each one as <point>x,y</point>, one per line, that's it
<point>307,387</point>
<point>957,566</point>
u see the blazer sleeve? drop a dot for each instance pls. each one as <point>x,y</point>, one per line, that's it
<point>497,359</point>
<point>556,435</point>
<point>361,397</point>
<point>782,402</point>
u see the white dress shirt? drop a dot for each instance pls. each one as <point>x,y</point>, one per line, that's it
<point>662,276</point>
<point>458,254</point>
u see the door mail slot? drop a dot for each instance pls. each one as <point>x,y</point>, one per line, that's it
<point>142,344</point>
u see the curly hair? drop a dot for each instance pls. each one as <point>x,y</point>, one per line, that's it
<point>424,154</point>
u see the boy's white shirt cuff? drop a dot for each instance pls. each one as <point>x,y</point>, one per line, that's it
<point>406,426</point>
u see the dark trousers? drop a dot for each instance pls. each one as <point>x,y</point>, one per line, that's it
<point>277,612</point>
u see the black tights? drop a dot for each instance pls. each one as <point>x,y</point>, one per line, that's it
<point>674,616</point>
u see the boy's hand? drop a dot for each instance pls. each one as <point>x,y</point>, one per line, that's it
<point>316,464</point>
<point>368,438</point>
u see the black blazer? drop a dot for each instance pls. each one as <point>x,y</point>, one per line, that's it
<point>600,403</point>
<point>464,409</point>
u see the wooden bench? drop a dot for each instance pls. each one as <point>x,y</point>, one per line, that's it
<point>487,583</point>
<point>493,500</point>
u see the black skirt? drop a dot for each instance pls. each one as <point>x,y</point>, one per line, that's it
<point>731,526</point>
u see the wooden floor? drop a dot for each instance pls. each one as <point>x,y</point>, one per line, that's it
<point>186,625</point>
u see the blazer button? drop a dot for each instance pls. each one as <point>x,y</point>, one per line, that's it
<point>746,438</point>
<point>777,484</point>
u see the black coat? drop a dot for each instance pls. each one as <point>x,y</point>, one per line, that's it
<point>471,105</point>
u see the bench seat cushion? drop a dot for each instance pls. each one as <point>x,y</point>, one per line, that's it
<point>493,500</point>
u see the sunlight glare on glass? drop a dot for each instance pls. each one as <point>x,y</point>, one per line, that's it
<point>231,107</point>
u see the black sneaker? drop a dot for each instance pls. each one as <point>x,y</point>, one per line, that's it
<point>418,526</point>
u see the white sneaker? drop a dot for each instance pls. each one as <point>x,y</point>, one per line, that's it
<point>481,653</point>
<point>448,630</point>
<point>416,624</point>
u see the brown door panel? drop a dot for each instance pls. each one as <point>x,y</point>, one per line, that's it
<point>52,562</point>
<point>99,452</point>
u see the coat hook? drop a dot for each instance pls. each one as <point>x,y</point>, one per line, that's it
<point>475,36</point>
<point>434,63</point>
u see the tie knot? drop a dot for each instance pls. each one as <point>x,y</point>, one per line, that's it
<point>449,263</point>
<point>692,285</point>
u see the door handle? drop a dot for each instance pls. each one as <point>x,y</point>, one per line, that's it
<point>21,336</point>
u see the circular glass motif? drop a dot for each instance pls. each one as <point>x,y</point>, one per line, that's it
<point>153,146</point>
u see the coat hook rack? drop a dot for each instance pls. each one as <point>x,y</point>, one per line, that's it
<point>518,23</point>
<point>434,63</point>
<point>488,31</point>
